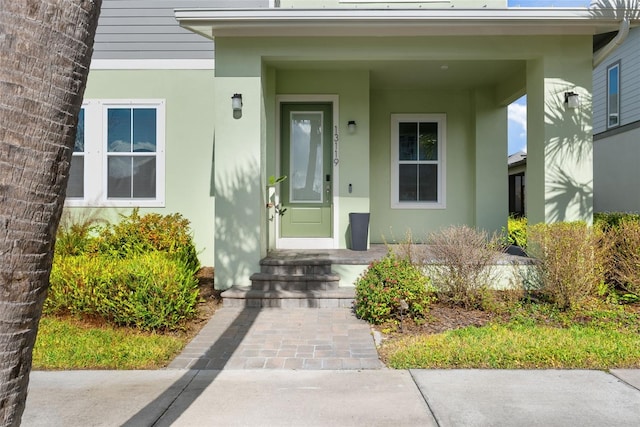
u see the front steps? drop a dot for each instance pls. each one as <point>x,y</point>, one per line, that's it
<point>291,281</point>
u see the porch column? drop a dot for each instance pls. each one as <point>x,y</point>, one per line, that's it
<point>559,176</point>
<point>492,189</point>
<point>239,182</point>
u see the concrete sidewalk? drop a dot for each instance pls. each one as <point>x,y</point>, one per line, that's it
<point>380,397</point>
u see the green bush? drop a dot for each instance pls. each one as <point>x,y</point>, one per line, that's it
<point>76,231</point>
<point>611,220</point>
<point>149,291</point>
<point>386,283</point>
<point>517,231</point>
<point>570,258</point>
<point>136,234</point>
<point>623,268</point>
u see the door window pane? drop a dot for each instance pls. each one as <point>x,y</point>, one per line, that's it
<point>306,157</point>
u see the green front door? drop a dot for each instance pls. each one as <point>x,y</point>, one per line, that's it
<point>305,130</point>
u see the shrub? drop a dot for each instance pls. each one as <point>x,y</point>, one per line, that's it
<point>136,234</point>
<point>624,266</point>
<point>75,232</point>
<point>148,291</point>
<point>465,260</point>
<point>570,259</point>
<point>386,283</point>
<point>517,231</point>
<point>611,220</point>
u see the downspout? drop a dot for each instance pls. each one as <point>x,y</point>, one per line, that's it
<point>602,54</point>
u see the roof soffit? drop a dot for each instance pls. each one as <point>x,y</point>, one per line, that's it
<point>342,22</point>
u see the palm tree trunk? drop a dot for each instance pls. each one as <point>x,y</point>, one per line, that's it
<point>45,52</point>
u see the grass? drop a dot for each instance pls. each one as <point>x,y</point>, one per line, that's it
<point>595,339</point>
<point>68,343</point>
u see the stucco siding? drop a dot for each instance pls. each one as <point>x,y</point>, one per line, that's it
<point>629,57</point>
<point>189,135</point>
<point>147,29</point>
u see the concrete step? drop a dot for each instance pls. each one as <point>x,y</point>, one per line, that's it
<point>294,266</point>
<point>297,282</point>
<point>238,296</point>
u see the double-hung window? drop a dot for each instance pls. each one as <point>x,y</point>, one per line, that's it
<point>418,161</point>
<point>118,157</point>
<point>613,95</point>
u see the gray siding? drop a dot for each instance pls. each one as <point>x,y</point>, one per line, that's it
<point>629,56</point>
<point>147,29</point>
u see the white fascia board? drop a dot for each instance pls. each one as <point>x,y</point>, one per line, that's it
<point>376,22</point>
<point>152,64</point>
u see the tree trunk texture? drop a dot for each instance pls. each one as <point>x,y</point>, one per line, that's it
<point>45,52</point>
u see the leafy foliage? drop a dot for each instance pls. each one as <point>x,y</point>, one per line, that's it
<point>136,234</point>
<point>387,283</point>
<point>570,261</point>
<point>517,231</point>
<point>148,291</point>
<point>139,272</point>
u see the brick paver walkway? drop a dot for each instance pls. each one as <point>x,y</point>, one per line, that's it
<point>276,338</point>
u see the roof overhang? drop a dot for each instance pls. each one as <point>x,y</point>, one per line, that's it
<point>278,22</point>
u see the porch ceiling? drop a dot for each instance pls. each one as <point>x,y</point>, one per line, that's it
<point>416,74</point>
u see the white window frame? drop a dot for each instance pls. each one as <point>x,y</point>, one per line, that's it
<point>611,67</point>
<point>96,154</point>
<point>441,120</point>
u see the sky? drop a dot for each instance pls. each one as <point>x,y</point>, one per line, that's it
<point>518,110</point>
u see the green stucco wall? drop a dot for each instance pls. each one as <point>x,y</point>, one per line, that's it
<point>189,141</point>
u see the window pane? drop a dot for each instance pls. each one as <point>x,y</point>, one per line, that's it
<point>75,185</point>
<point>613,95</point>
<point>78,147</point>
<point>144,130</point>
<point>408,183</point>
<point>408,141</point>
<point>306,157</point>
<point>428,183</point>
<point>144,177</point>
<point>428,141</point>
<point>119,130</point>
<point>119,177</point>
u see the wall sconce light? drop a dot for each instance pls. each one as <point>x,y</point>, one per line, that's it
<point>351,126</point>
<point>236,105</point>
<point>571,100</point>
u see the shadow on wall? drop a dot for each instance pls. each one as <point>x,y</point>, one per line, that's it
<point>237,222</point>
<point>571,193</point>
<point>618,9</point>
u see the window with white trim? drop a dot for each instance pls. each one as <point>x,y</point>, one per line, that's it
<point>613,95</point>
<point>418,161</point>
<point>118,157</point>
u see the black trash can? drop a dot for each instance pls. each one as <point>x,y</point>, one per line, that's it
<point>359,223</point>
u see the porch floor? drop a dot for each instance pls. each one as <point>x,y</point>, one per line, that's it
<point>336,256</point>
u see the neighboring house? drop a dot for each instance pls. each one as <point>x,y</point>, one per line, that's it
<point>397,109</point>
<point>616,129</point>
<point>517,165</point>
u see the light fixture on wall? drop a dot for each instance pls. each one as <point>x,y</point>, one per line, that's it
<point>351,126</point>
<point>571,100</point>
<point>236,104</point>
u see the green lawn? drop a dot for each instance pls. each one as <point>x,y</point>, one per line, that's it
<point>66,343</point>
<point>607,339</point>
